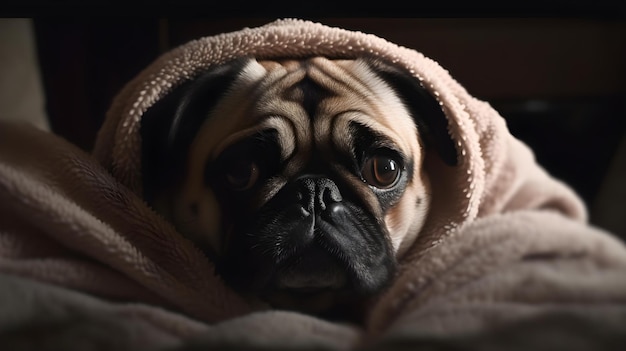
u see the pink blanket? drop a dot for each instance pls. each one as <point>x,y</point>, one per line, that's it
<point>506,250</point>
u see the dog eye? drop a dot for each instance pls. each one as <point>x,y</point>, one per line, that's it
<point>381,171</point>
<point>241,174</point>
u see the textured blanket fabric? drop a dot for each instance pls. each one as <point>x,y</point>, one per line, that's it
<point>506,257</point>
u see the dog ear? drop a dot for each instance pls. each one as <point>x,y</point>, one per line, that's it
<point>427,113</point>
<point>169,126</point>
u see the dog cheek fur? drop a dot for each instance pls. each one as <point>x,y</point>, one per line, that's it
<point>405,219</point>
<point>197,214</point>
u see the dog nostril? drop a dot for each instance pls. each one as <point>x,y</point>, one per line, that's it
<point>303,212</point>
<point>335,213</point>
<point>330,197</point>
<point>316,193</point>
<point>336,209</point>
<point>298,212</point>
<point>327,194</point>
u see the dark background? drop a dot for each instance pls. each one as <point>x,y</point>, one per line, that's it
<point>559,78</point>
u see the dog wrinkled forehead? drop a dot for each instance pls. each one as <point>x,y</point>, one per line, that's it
<point>268,123</point>
<point>311,103</point>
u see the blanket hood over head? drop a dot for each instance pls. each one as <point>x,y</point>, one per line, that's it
<point>495,172</point>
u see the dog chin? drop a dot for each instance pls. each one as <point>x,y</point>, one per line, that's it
<point>311,280</point>
<point>315,283</point>
<point>310,248</point>
<point>326,303</point>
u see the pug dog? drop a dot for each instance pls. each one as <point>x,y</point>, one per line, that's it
<point>301,179</point>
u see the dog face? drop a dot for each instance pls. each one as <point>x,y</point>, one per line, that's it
<point>302,179</point>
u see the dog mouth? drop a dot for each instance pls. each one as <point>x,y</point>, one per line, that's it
<point>309,249</point>
<point>310,271</point>
<point>335,266</point>
<point>311,280</point>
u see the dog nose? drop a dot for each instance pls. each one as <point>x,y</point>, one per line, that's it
<point>316,193</point>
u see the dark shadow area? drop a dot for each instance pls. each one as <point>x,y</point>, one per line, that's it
<point>575,139</point>
<point>84,63</point>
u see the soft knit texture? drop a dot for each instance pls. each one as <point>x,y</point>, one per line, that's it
<point>504,244</point>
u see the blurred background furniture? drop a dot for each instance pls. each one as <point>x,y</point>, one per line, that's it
<point>21,90</point>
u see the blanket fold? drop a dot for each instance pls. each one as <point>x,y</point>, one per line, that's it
<point>505,243</point>
<point>94,234</point>
<point>527,259</point>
